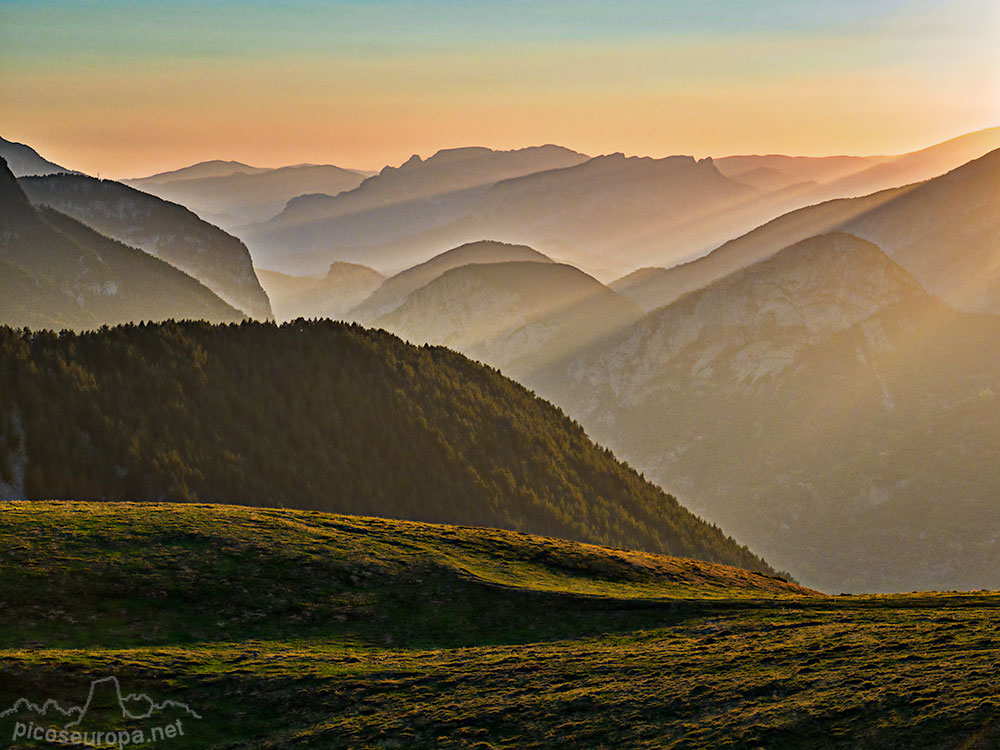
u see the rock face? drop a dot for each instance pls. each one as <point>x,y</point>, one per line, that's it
<point>57,273</point>
<point>332,295</point>
<point>517,316</point>
<point>164,230</point>
<point>822,405</point>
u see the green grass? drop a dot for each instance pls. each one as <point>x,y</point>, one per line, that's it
<point>299,629</point>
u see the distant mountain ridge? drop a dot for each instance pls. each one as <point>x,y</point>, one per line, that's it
<point>607,215</point>
<point>516,315</point>
<point>395,290</point>
<point>201,170</point>
<point>942,230</point>
<point>331,295</point>
<point>23,160</point>
<point>58,273</point>
<point>418,196</point>
<point>233,195</point>
<point>821,402</point>
<point>162,229</point>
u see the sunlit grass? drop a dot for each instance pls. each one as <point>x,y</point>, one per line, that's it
<point>297,629</point>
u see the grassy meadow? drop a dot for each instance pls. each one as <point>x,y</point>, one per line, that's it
<point>304,629</point>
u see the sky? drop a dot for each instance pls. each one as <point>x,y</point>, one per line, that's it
<point>126,89</point>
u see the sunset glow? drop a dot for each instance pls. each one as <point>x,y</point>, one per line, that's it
<point>131,88</point>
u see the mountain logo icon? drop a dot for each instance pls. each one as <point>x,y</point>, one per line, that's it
<point>133,705</point>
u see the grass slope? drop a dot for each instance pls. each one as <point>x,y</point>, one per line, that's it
<point>300,629</point>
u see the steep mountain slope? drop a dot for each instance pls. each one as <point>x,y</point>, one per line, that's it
<point>394,291</point>
<point>947,233</point>
<point>919,165</point>
<point>58,273</point>
<point>164,230</point>
<point>822,404</point>
<point>322,416</point>
<point>332,295</point>
<point>240,198</point>
<point>646,286</point>
<point>418,196</point>
<point>24,160</point>
<point>655,287</point>
<point>943,231</point>
<point>853,176</point>
<point>517,316</point>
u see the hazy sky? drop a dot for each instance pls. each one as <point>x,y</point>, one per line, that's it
<point>129,88</point>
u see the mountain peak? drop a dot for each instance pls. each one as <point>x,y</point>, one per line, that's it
<point>822,284</point>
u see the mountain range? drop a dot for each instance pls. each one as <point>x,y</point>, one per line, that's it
<point>943,231</point>
<point>823,384</point>
<point>607,215</point>
<point>59,273</point>
<point>232,195</point>
<point>164,230</point>
<point>517,316</point>
<point>392,206</point>
<point>331,295</point>
<point>821,402</point>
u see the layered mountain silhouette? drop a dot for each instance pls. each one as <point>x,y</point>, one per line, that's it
<point>232,195</point>
<point>320,415</point>
<point>330,295</point>
<point>23,160</point>
<point>824,404</point>
<point>420,195</point>
<point>606,209</point>
<point>943,231</point>
<point>606,215</point>
<point>776,171</point>
<point>58,273</point>
<point>654,287</point>
<point>947,233</point>
<point>396,289</point>
<point>595,214</point>
<point>918,165</point>
<point>162,229</point>
<point>517,316</point>
<point>201,170</point>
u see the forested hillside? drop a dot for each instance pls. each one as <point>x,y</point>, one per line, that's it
<point>320,416</point>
